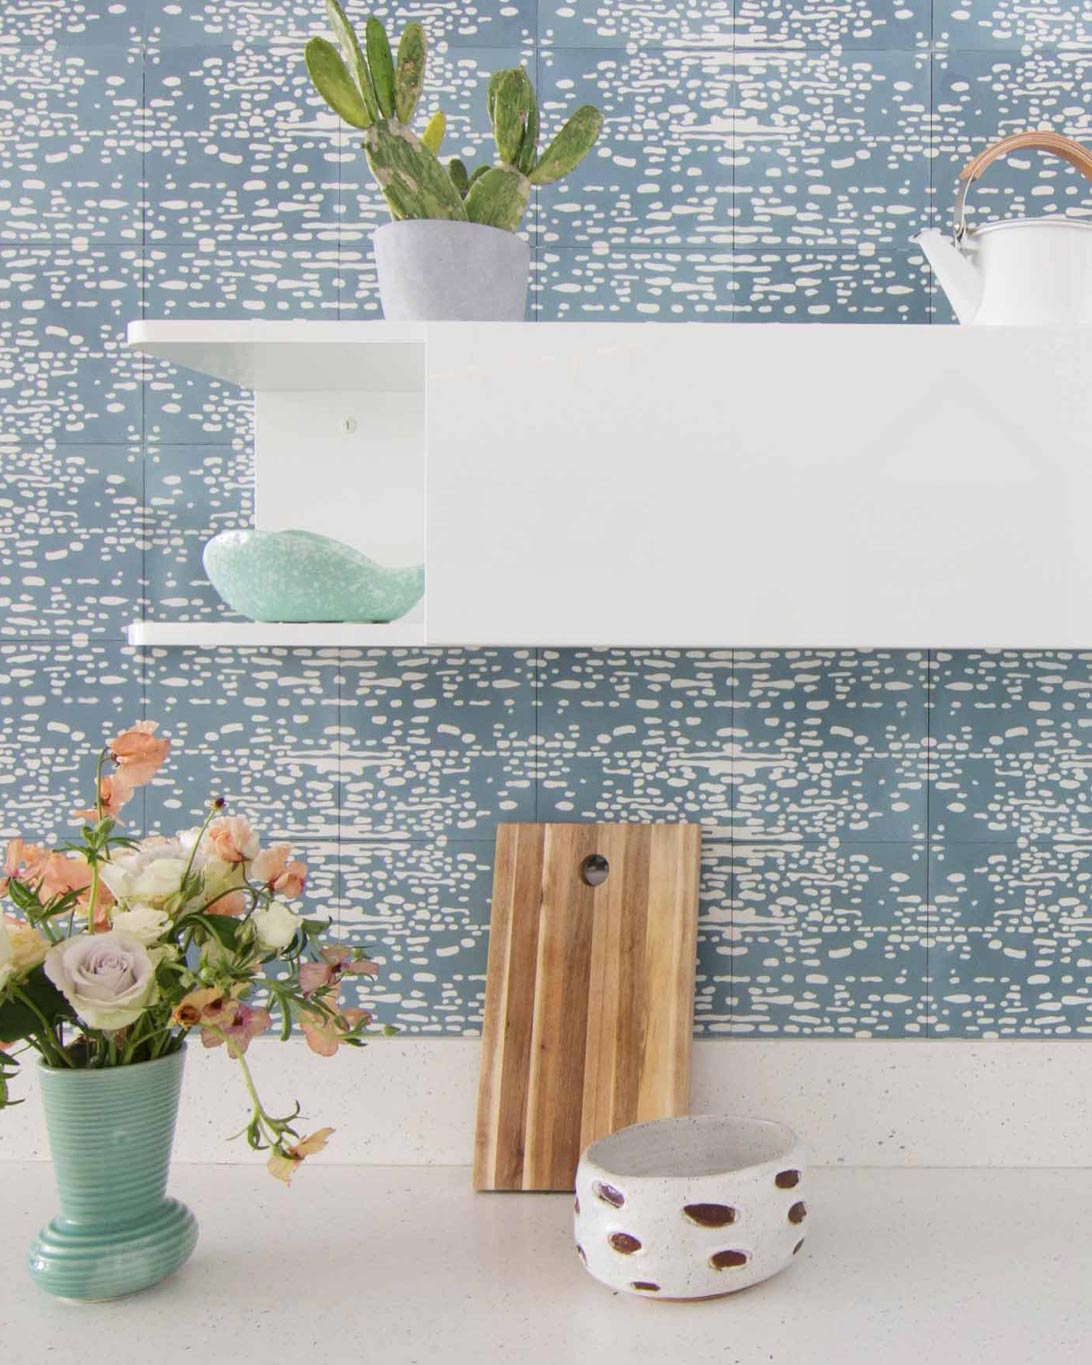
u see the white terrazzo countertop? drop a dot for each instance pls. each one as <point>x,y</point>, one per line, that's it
<point>406,1266</point>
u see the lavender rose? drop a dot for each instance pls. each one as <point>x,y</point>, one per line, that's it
<point>108,979</point>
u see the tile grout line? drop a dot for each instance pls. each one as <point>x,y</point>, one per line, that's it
<point>930,189</point>
<point>144,520</point>
<point>732,805</point>
<point>929,681</point>
<point>536,683</point>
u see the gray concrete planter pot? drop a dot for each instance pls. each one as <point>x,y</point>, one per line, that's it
<point>433,270</point>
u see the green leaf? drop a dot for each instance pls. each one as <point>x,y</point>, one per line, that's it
<point>409,75</point>
<point>434,131</point>
<point>509,113</point>
<point>569,147</point>
<point>459,178</point>
<point>498,199</point>
<point>354,57</point>
<point>330,77</point>
<point>221,927</point>
<point>380,64</point>
<point>528,147</point>
<point>18,1021</point>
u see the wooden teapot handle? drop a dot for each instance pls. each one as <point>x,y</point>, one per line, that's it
<point>1041,140</point>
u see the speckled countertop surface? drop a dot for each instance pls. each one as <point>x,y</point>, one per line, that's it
<point>405,1266</point>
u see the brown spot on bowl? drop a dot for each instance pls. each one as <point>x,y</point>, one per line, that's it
<point>625,1243</point>
<point>797,1247</point>
<point>798,1212</point>
<point>581,1253</point>
<point>710,1215</point>
<point>646,1285</point>
<point>608,1194</point>
<point>728,1260</point>
<point>787,1180</point>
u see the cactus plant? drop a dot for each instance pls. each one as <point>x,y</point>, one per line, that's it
<point>377,93</point>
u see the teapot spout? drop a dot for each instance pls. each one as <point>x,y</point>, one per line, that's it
<point>958,277</point>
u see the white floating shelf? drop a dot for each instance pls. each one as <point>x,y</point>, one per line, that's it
<point>263,634</point>
<point>367,357</point>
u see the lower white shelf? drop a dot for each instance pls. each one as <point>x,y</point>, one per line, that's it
<point>286,634</point>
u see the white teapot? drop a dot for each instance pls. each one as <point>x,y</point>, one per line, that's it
<point>1020,271</point>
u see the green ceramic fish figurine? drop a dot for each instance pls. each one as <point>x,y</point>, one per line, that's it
<point>301,576</point>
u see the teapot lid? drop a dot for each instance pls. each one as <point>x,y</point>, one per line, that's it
<point>1057,220</point>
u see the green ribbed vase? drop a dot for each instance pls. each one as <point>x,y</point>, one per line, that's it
<point>111,1133</point>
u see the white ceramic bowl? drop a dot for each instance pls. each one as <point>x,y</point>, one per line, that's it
<point>690,1208</point>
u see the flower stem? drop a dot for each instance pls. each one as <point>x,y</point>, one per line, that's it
<point>47,1039</point>
<point>268,1124</point>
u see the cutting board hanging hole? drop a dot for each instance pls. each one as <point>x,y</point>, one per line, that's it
<point>594,870</point>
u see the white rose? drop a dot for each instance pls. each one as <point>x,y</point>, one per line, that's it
<point>159,880</point>
<point>143,922</point>
<point>149,873</point>
<point>275,926</point>
<point>22,947</point>
<point>108,979</point>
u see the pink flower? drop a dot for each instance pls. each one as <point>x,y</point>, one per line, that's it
<point>336,963</point>
<point>61,875</point>
<point>271,867</point>
<point>232,839</point>
<point>24,862</point>
<point>325,1034</point>
<point>114,792</point>
<point>238,1024</point>
<point>138,754</point>
<point>231,905</point>
<point>221,1018</point>
<point>285,1160</point>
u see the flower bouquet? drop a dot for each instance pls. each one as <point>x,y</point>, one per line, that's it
<point>120,949</point>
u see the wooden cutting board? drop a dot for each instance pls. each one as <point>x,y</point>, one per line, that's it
<point>589,996</point>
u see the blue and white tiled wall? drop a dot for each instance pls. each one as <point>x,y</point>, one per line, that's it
<point>896,844</point>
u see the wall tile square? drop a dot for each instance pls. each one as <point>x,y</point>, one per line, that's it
<point>240,149</point>
<point>875,25</point>
<point>830,148</point>
<point>1010,950</point>
<point>982,96</point>
<point>1011,25</point>
<point>71,23</point>
<point>71,133</point>
<point>70,554</point>
<point>636,735</point>
<point>651,23</point>
<point>829,940</point>
<point>779,285</point>
<point>173,24</point>
<point>1011,740</point>
<point>661,172</point>
<point>64,372</point>
<point>59,703</point>
<point>607,284</point>
<point>422,910</point>
<point>830,744</point>
<point>436,742</point>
